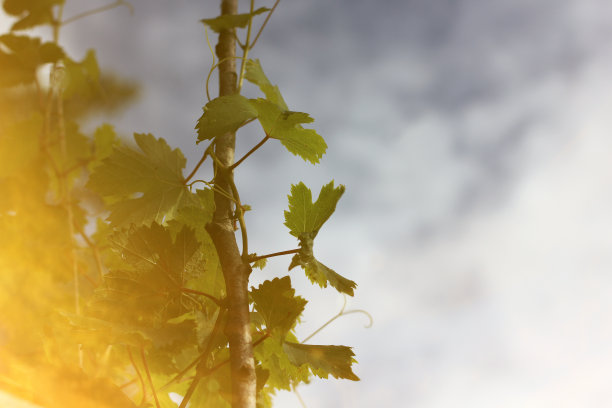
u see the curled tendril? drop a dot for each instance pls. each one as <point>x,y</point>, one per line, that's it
<point>342,312</point>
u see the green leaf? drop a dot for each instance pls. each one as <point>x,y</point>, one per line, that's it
<point>283,373</point>
<point>32,12</point>
<point>154,172</point>
<point>286,126</point>
<point>228,22</point>
<point>96,332</point>
<point>260,264</point>
<point>280,123</point>
<point>199,214</point>
<point>276,302</point>
<point>82,78</point>
<point>316,271</point>
<point>105,140</point>
<point>323,360</point>
<point>26,55</point>
<point>165,257</point>
<point>255,74</point>
<point>304,216</point>
<point>304,220</point>
<point>224,114</point>
<point>213,391</point>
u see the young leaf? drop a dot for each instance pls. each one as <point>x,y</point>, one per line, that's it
<point>304,216</point>
<point>32,12</point>
<point>228,22</point>
<point>286,126</point>
<point>316,271</point>
<point>26,55</point>
<point>224,114</point>
<point>260,264</point>
<point>323,360</point>
<point>197,216</point>
<point>276,302</point>
<point>155,172</point>
<point>254,74</point>
<point>155,245</point>
<point>105,139</point>
<point>304,220</point>
<point>82,78</point>
<point>283,373</point>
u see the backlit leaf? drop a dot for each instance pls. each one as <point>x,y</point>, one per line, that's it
<point>283,373</point>
<point>25,55</point>
<point>316,271</point>
<point>304,216</point>
<point>323,360</point>
<point>224,114</point>
<point>276,302</point>
<point>304,220</point>
<point>154,172</point>
<point>31,12</point>
<point>82,77</point>
<point>230,21</point>
<point>286,126</point>
<point>255,74</point>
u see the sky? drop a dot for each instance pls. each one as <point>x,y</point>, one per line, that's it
<point>473,137</point>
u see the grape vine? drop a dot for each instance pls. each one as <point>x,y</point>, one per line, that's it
<point>122,283</point>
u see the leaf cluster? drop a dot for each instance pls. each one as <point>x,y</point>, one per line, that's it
<point>111,290</point>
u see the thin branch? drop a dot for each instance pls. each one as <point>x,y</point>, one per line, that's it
<point>202,364</point>
<point>215,188</point>
<point>250,152</point>
<point>96,251</point>
<point>257,258</point>
<point>184,371</point>
<point>297,394</point>
<point>128,383</point>
<point>142,383</point>
<point>217,301</point>
<point>79,16</point>
<point>80,163</point>
<point>197,167</point>
<point>264,23</point>
<point>146,367</point>
<point>245,49</point>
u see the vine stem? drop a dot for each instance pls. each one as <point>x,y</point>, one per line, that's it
<point>250,152</point>
<point>146,367</point>
<point>264,23</point>
<point>101,9</point>
<point>297,394</point>
<point>142,383</point>
<point>246,48</point>
<point>257,258</point>
<point>202,360</point>
<point>197,292</point>
<point>197,167</point>
<point>96,252</point>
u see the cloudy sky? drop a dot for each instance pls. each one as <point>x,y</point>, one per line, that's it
<point>474,138</point>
